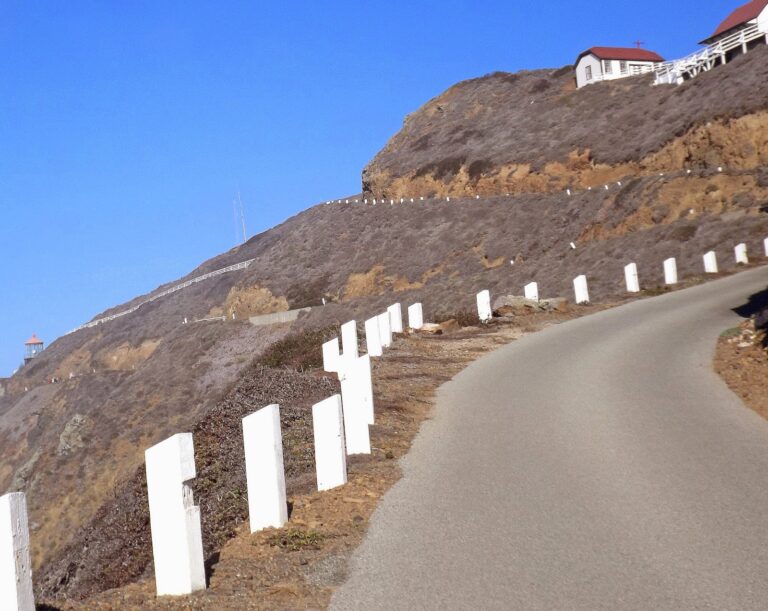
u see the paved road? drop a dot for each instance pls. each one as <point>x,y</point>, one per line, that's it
<point>599,464</point>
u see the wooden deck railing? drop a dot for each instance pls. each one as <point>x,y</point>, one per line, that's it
<point>675,72</point>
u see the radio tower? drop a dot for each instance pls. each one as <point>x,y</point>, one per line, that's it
<point>237,204</point>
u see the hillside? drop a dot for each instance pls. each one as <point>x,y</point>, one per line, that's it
<point>76,446</point>
<point>533,131</point>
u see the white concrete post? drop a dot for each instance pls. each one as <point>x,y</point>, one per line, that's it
<point>765,246</point>
<point>710,262</point>
<point>330,450</point>
<point>385,330</point>
<point>177,542</point>
<point>372,337</point>
<point>670,271</point>
<point>331,355</point>
<point>415,316</point>
<point>264,470</point>
<point>395,318</point>
<point>484,306</point>
<point>357,402</point>
<point>740,251</point>
<point>532,291</point>
<point>630,275</point>
<point>15,567</point>
<point>349,340</point>
<point>580,289</point>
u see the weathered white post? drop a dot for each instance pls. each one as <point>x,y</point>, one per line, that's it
<point>630,275</point>
<point>330,450</point>
<point>357,403</point>
<point>177,542</point>
<point>415,316</point>
<point>532,291</point>
<point>15,567</point>
<point>765,246</point>
<point>395,318</point>
<point>580,289</point>
<point>710,262</point>
<point>484,306</point>
<point>264,469</point>
<point>372,337</point>
<point>740,251</point>
<point>670,271</point>
<point>385,330</point>
<point>349,340</point>
<point>331,355</point>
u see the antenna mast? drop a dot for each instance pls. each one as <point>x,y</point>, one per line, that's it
<point>242,217</point>
<point>239,211</point>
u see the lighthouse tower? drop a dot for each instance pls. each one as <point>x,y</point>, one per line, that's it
<point>32,348</point>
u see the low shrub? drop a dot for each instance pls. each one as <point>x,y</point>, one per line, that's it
<point>465,318</point>
<point>300,351</point>
<point>295,540</point>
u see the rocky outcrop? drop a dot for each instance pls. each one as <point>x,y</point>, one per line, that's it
<point>512,305</point>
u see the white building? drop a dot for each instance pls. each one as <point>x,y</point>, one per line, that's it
<point>753,13</point>
<point>745,28</point>
<point>609,63</point>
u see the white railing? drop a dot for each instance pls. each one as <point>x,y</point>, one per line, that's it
<point>165,293</point>
<point>692,65</point>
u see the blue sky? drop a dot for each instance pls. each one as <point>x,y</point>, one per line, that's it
<point>126,128</point>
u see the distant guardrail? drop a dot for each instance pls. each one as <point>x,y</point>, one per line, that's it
<point>173,289</point>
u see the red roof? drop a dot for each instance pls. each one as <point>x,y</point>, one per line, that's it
<point>624,53</point>
<point>746,12</point>
<point>33,341</point>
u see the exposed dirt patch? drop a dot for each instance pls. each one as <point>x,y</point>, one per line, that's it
<point>741,359</point>
<point>375,282</point>
<point>245,301</point>
<point>366,283</point>
<point>485,261</point>
<point>78,362</point>
<point>681,199</point>
<point>126,357</point>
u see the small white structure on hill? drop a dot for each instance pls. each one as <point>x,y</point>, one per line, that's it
<point>745,28</point>
<point>741,20</point>
<point>609,63</point>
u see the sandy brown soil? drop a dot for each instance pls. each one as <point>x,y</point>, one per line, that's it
<point>741,359</point>
<point>300,565</point>
<point>532,132</point>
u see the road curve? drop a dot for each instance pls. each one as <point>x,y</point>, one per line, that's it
<point>598,464</point>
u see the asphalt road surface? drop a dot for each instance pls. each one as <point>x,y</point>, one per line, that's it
<point>599,464</point>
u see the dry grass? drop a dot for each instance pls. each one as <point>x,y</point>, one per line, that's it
<point>536,117</point>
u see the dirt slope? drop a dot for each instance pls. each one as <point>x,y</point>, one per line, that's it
<point>77,445</point>
<point>532,131</point>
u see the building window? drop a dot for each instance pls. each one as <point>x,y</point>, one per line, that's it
<point>608,66</point>
<point>623,67</point>
<point>588,72</point>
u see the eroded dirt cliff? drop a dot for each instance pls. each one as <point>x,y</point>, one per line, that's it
<point>533,132</point>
